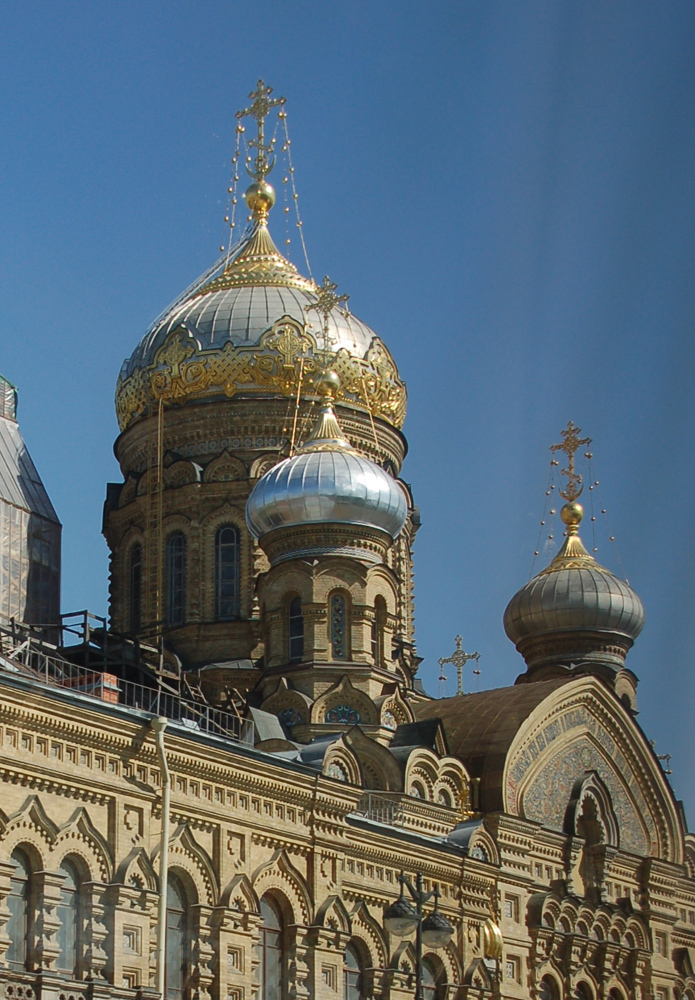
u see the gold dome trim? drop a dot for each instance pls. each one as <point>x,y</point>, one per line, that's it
<point>287,359</point>
<point>258,262</point>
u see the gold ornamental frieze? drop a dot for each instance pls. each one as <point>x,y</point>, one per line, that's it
<point>286,361</point>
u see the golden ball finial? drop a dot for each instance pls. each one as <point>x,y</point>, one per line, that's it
<point>260,197</point>
<point>572,514</point>
<point>328,386</point>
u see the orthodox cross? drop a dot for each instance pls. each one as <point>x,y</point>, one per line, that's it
<point>326,302</point>
<point>261,106</point>
<point>459,658</point>
<point>571,443</point>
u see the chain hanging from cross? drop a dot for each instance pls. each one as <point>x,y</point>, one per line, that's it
<point>327,300</point>
<point>261,106</point>
<point>459,658</point>
<point>571,443</point>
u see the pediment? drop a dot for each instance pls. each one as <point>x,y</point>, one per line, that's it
<point>581,736</point>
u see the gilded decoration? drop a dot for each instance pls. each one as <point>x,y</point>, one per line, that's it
<point>287,360</point>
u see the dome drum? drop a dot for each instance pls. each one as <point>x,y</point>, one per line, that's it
<point>366,544</point>
<point>555,652</point>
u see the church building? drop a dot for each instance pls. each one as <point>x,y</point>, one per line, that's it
<point>236,787</point>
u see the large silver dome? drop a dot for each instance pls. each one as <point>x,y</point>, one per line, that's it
<point>326,482</point>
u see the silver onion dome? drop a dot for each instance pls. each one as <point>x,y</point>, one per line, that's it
<point>326,482</point>
<point>573,598</point>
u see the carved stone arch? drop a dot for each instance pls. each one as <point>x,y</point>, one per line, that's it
<point>173,523</point>
<point>454,783</point>
<point>422,766</point>
<point>240,895</point>
<point>369,930</point>
<point>136,871</point>
<point>186,854</point>
<point>278,875</point>
<point>332,914</point>
<point>30,825</point>
<point>340,756</point>
<point>380,771</point>
<point>290,706</point>
<point>264,464</point>
<point>550,968</point>
<point>404,958</point>
<point>344,693</point>
<point>481,841</point>
<point>635,926</point>
<point>294,578</point>
<point>129,490</point>
<point>80,837</point>
<point>617,982</point>
<point>225,468</point>
<point>477,976</point>
<point>581,727</point>
<point>690,854</point>
<point>394,710</point>
<point>182,473</point>
<point>591,789</point>
<point>447,960</point>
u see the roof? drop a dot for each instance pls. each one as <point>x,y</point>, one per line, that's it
<point>480,728</point>
<point>20,483</point>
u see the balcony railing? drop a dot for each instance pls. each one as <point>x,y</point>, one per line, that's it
<point>27,660</point>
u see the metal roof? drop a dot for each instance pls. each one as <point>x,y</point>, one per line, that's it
<point>20,483</point>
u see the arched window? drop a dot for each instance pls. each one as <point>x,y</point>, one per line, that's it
<point>339,626</point>
<point>431,980</point>
<point>177,941</point>
<point>227,573</point>
<point>135,616</point>
<point>352,974</point>
<point>176,579</point>
<point>68,913</point>
<point>19,904</point>
<point>295,630</point>
<point>378,626</point>
<point>582,992</point>
<point>548,990</point>
<point>270,952</point>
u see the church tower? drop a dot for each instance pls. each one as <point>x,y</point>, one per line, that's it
<point>225,385</point>
<point>29,528</point>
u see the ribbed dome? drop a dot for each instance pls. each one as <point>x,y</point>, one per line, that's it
<point>327,482</point>
<point>251,326</point>
<point>572,605</point>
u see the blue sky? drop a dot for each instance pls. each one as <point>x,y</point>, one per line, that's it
<point>505,189</point>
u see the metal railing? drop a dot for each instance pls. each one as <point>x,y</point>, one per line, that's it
<point>383,807</point>
<point>28,659</point>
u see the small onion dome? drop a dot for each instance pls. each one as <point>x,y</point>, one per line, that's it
<point>574,611</point>
<point>326,482</point>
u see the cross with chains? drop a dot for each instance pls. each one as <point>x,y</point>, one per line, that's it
<point>459,658</point>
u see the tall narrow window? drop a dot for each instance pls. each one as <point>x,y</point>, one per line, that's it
<point>68,915</point>
<point>339,626</point>
<point>378,626</point>
<point>227,573</point>
<point>430,981</point>
<point>270,952</point>
<point>177,941</point>
<point>352,974</point>
<point>295,630</point>
<point>136,588</point>
<point>176,579</point>
<point>19,903</point>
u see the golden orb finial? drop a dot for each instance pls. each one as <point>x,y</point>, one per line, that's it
<point>328,387</point>
<point>260,197</point>
<point>572,514</point>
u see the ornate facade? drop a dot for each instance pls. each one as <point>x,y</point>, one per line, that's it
<point>213,797</point>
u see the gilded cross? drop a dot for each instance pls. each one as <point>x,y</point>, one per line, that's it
<point>261,106</point>
<point>571,443</point>
<point>327,300</point>
<point>459,658</point>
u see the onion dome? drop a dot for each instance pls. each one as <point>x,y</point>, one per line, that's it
<point>252,325</point>
<point>574,611</point>
<point>326,483</point>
